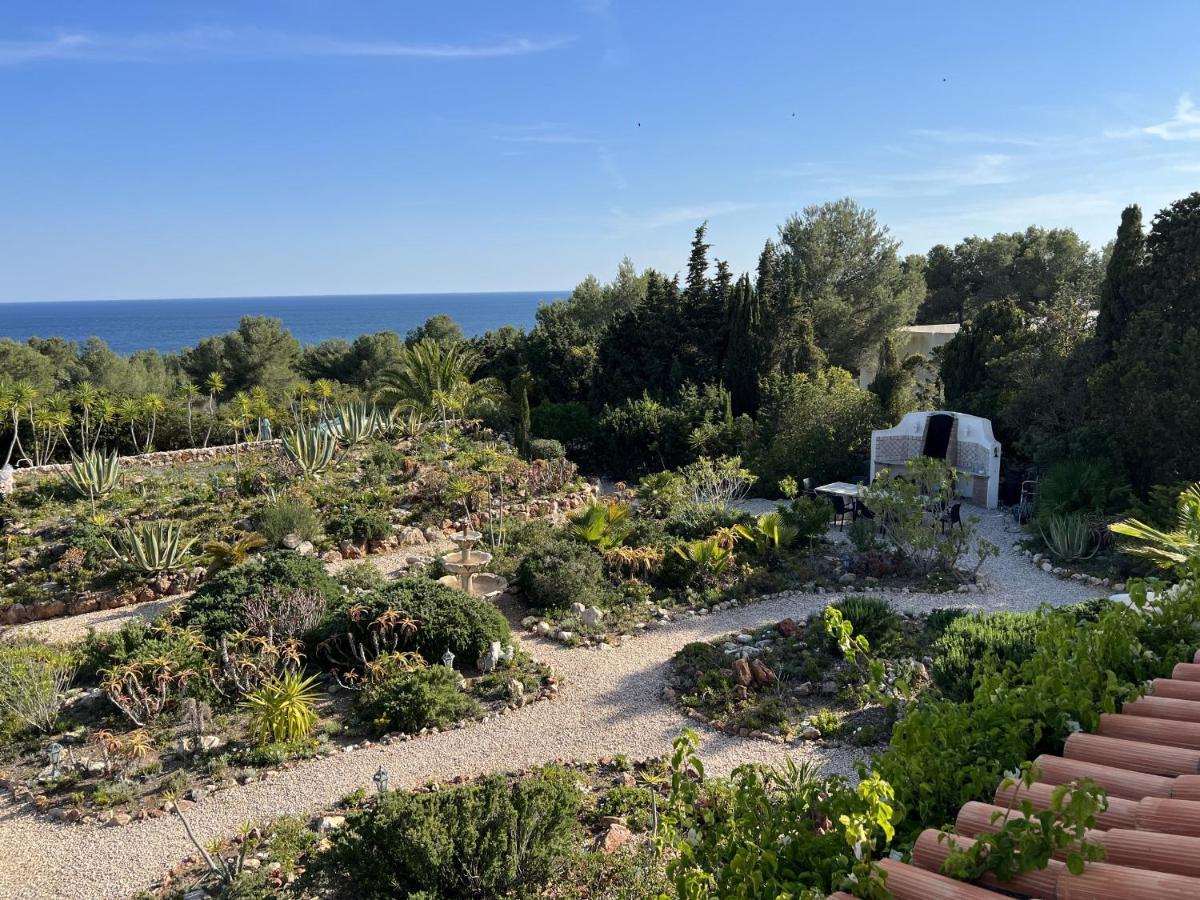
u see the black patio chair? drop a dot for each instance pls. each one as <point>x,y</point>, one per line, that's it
<point>840,510</point>
<point>807,488</point>
<point>862,511</point>
<point>952,516</point>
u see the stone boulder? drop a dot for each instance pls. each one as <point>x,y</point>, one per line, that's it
<point>742,673</point>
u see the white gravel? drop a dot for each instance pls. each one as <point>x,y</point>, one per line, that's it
<point>609,703</point>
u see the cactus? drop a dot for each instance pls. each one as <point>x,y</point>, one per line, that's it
<point>151,546</point>
<point>354,423</point>
<point>93,474</point>
<point>310,450</point>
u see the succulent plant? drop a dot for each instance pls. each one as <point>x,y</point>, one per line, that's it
<point>94,474</point>
<point>310,449</point>
<point>353,423</point>
<point>151,546</point>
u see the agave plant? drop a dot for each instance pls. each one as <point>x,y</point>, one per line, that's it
<point>151,546</point>
<point>600,524</point>
<point>310,450</point>
<point>93,475</point>
<point>353,423</point>
<point>770,533</point>
<point>1069,537</point>
<point>1174,550</point>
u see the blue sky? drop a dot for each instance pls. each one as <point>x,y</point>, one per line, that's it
<point>153,149</point>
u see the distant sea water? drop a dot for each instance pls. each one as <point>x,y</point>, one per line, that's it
<point>169,325</point>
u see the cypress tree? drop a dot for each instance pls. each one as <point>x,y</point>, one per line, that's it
<point>744,354</point>
<point>1121,290</point>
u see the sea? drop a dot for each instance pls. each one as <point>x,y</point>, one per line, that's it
<point>169,325</point>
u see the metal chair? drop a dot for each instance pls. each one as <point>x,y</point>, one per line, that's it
<point>952,516</point>
<point>840,511</point>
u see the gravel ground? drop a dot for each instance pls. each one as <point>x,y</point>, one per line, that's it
<point>609,703</point>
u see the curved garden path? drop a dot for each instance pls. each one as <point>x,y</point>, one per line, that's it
<point>609,703</point>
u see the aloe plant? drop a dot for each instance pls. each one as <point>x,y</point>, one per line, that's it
<point>354,423</point>
<point>310,449</point>
<point>1069,537</point>
<point>93,475</point>
<point>151,546</point>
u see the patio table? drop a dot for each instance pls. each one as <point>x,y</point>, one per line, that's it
<point>842,489</point>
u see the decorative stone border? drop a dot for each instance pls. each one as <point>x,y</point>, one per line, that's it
<point>163,458</point>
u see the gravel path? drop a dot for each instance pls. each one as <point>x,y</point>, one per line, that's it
<point>609,703</point>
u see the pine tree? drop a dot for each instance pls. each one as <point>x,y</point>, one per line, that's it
<point>743,353</point>
<point>1122,288</point>
<point>696,289</point>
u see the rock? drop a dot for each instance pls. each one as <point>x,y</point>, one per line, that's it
<point>516,691</point>
<point>325,824</point>
<point>330,556</point>
<point>432,535</point>
<point>741,692</point>
<point>847,578</point>
<point>615,838</point>
<point>306,548</point>
<point>803,689</point>
<point>542,628</point>
<point>810,733</point>
<point>788,628</point>
<point>742,673</point>
<point>829,687</point>
<point>291,541</point>
<point>528,622</point>
<point>119,819</point>
<point>565,636</point>
<point>1046,567</point>
<point>762,674</point>
<point>578,609</point>
<point>251,863</point>
<point>592,616</point>
<point>745,639</point>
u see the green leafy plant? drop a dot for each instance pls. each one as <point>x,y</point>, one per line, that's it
<point>973,644</point>
<point>770,534</point>
<point>93,475</point>
<point>354,423</point>
<point>34,678</point>
<point>662,493</point>
<point>562,572</point>
<point>283,709</point>
<point>707,560</point>
<point>1068,536</point>
<point>284,515</point>
<point>1176,550</point>
<point>151,546</point>
<point>872,617</point>
<point>601,524</point>
<point>1026,841</point>
<point>222,555</point>
<point>407,701</point>
<point>310,450</point>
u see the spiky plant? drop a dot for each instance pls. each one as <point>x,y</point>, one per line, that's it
<point>151,547</point>
<point>283,709</point>
<point>1178,549</point>
<point>603,525</point>
<point>93,475</point>
<point>221,555</point>
<point>310,450</point>
<point>770,534</point>
<point>1069,537</point>
<point>353,423</point>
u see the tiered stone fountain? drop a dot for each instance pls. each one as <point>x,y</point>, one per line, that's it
<point>466,565</point>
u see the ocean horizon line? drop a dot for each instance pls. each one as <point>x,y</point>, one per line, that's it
<point>557,292</point>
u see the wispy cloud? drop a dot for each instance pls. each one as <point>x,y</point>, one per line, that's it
<point>608,165</point>
<point>956,136</point>
<point>1183,126</point>
<point>540,133</point>
<point>675,215</point>
<point>198,44</point>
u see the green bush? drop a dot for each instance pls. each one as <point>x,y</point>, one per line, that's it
<point>419,698</point>
<point>561,573</point>
<point>694,521</point>
<point>447,619</point>
<point>358,524</point>
<point>479,840</point>
<point>1087,487</point>
<point>976,643</point>
<point>873,617</point>
<point>216,606</point>
<point>285,516</point>
<point>810,516</point>
<point>546,448</point>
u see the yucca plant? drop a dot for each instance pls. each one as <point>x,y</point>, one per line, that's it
<point>353,423</point>
<point>1177,550</point>
<point>770,534</point>
<point>151,546</point>
<point>310,450</point>
<point>283,709</point>
<point>1069,537</point>
<point>600,524</point>
<point>93,475</point>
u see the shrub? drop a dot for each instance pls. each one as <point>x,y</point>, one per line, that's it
<point>419,698</point>
<point>809,516</point>
<point>561,573</point>
<point>1089,487</point>
<point>283,709</point>
<point>720,482</point>
<point>479,840</point>
<point>218,605</point>
<point>285,516</point>
<point>546,448</point>
<point>662,493</point>
<point>697,520</point>
<point>872,617</point>
<point>359,524</point>
<point>445,617</point>
<point>33,679</point>
<point>973,644</point>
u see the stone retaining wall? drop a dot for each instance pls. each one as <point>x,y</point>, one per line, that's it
<point>163,458</point>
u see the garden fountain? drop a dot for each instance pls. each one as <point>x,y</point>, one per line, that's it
<point>466,565</point>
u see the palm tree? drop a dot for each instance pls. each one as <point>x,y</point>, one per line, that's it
<point>87,398</point>
<point>1177,550</point>
<point>152,404</point>
<point>188,393</point>
<point>214,384</point>
<point>436,380</point>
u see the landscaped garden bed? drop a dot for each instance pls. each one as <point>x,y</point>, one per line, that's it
<point>566,830</point>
